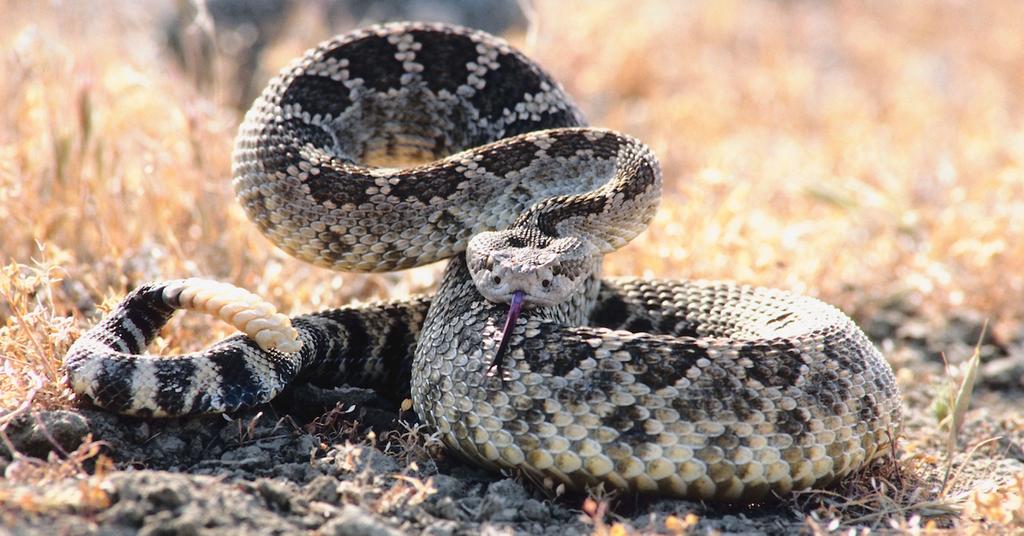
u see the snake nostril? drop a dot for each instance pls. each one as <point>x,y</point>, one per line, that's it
<point>496,279</point>
<point>545,283</point>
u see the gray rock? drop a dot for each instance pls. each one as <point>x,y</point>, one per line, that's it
<point>349,458</point>
<point>35,434</point>
<point>503,502</point>
<point>354,521</point>
<point>322,488</point>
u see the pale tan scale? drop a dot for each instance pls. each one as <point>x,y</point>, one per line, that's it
<point>655,428</point>
<point>513,454</point>
<point>644,483</point>
<point>556,444</point>
<point>598,465</point>
<point>540,459</point>
<point>501,439</point>
<point>629,467</point>
<point>648,452</point>
<point>751,472</point>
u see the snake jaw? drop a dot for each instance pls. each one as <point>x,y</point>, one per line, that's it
<point>514,308</point>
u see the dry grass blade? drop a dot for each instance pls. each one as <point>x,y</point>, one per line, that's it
<point>950,480</point>
<point>961,401</point>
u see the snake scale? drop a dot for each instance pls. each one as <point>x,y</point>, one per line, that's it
<point>524,359</point>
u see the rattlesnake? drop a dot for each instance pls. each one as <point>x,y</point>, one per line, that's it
<point>524,359</point>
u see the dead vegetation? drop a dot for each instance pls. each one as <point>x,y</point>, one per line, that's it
<point>869,155</point>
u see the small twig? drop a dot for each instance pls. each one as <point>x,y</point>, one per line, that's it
<point>229,462</point>
<point>49,437</point>
<point>10,446</point>
<point>892,457</point>
<point>947,484</point>
<point>941,506</point>
<point>26,403</point>
<point>258,440</point>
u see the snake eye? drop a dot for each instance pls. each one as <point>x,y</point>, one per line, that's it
<point>496,279</point>
<point>545,283</point>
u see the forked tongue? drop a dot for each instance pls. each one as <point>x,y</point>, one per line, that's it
<point>506,333</point>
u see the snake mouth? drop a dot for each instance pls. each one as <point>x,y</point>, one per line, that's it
<point>514,308</point>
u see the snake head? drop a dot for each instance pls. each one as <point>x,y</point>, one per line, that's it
<point>525,268</point>
<point>546,271</point>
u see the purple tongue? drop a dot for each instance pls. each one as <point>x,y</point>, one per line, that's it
<point>506,333</point>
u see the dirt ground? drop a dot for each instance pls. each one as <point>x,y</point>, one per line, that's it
<point>345,461</point>
<point>867,155</point>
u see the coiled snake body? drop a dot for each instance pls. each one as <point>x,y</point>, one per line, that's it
<point>524,359</point>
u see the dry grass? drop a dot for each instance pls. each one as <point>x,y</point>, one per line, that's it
<point>66,485</point>
<point>861,153</point>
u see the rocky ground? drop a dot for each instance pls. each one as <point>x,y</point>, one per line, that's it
<point>345,461</point>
